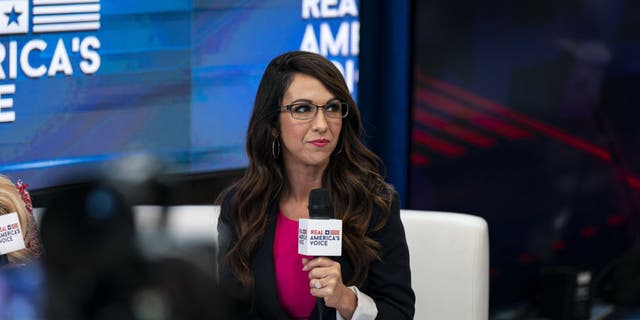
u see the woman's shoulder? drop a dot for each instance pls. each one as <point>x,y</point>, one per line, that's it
<point>391,207</point>
<point>226,196</point>
<point>226,201</point>
<point>389,196</point>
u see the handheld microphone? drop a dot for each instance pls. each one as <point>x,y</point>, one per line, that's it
<point>11,238</point>
<point>320,235</point>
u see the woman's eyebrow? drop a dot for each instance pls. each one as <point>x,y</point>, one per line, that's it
<point>300,100</point>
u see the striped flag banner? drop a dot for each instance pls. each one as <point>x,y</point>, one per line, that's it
<point>65,15</point>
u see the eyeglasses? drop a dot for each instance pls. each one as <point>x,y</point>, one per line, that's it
<point>308,110</point>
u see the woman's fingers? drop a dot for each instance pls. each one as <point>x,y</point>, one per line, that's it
<point>317,262</point>
<point>323,288</point>
<point>325,279</point>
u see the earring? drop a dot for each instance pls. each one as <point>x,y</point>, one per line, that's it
<point>274,148</point>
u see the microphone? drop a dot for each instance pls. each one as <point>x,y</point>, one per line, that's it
<point>11,238</point>
<point>321,234</point>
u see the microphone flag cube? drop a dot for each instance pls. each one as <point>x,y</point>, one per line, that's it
<point>320,237</point>
<point>11,238</point>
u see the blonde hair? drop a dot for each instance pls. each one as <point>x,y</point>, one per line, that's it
<point>11,201</point>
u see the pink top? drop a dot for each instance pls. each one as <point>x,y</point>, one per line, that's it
<point>291,282</point>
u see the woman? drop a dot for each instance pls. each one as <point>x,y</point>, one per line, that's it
<point>15,198</point>
<point>304,133</point>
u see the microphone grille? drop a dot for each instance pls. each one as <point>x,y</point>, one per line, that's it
<point>320,204</point>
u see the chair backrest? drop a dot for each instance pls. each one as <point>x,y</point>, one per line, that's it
<point>185,224</point>
<point>449,255</point>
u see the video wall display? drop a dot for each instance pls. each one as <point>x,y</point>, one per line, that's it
<point>525,113</point>
<point>85,83</point>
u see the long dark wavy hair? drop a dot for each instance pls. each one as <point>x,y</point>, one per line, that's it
<point>352,176</point>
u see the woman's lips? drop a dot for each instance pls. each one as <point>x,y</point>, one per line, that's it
<point>319,142</point>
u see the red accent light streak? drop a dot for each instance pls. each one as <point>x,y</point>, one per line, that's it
<point>418,159</point>
<point>431,120</point>
<point>633,182</point>
<point>543,128</point>
<point>524,120</point>
<point>478,118</point>
<point>588,232</point>
<point>437,144</point>
<point>615,220</point>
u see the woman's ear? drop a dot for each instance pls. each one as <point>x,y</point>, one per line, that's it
<point>275,133</point>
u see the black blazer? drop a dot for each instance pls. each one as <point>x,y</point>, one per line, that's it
<point>388,282</point>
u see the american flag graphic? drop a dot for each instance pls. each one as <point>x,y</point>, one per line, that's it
<point>65,15</point>
<point>14,16</point>
<point>334,232</point>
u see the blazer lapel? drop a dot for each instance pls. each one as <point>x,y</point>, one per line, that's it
<point>265,274</point>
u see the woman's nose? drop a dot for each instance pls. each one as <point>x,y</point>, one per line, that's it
<point>319,122</point>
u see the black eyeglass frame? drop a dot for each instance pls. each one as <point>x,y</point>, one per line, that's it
<point>289,107</point>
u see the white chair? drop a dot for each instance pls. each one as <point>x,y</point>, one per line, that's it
<point>186,224</point>
<point>449,255</point>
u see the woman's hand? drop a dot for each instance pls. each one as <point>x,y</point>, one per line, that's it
<point>325,281</point>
